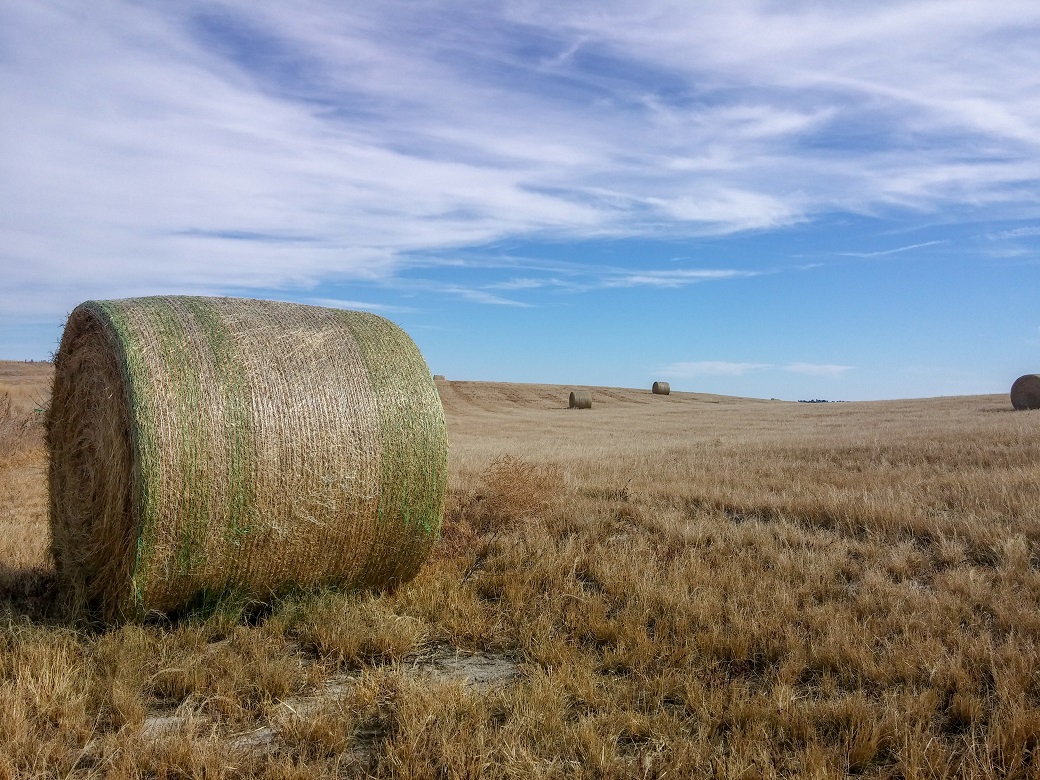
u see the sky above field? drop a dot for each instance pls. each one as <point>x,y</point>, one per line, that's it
<point>773,199</point>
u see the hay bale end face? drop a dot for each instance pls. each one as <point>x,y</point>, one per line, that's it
<point>580,399</point>
<point>1025,392</point>
<point>661,388</point>
<point>200,445</point>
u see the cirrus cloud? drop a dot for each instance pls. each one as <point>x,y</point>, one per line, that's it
<point>817,369</point>
<point>253,145</point>
<point>712,368</point>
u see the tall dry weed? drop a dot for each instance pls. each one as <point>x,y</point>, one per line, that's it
<point>511,491</point>
<point>18,432</point>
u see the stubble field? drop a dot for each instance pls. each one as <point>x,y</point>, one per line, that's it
<point>660,586</point>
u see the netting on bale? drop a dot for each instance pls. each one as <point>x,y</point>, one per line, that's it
<point>205,444</point>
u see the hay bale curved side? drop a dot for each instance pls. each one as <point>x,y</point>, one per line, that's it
<point>661,388</point>
<point>1025,392</point>
<point>205,444</point>
<point>580,399</point>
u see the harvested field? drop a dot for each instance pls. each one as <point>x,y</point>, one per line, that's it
<point>708,587</point>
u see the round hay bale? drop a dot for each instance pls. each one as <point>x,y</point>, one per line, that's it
<point>661,388</point>
<point>580,399</point>
<point>438,377</point>
<point>206,445</point>
<point>1025,392</point>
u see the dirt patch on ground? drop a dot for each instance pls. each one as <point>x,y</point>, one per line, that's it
<point>479,670</point>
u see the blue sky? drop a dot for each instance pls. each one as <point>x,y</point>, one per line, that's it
<point>769,199</point>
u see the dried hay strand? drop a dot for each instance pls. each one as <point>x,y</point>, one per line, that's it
<point>203,445</point>
<point>16,430</point>
<point>1025,392</point>
<point>580,399</point>
<point>661,388</point>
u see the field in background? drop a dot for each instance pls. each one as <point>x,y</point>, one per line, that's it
<point>24,389</point>
<point>684,585</point>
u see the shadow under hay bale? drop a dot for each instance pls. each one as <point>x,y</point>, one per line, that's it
<point>207,444</point>
<point>661,388</point>
<point>580,399</point>
<point>28,593</point>
<point>1025,392</point>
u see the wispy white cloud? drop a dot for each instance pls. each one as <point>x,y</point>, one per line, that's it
<point>711,368</point>
<point>730,209</point>
<point>1022,232</point>
<point>341,303</point>
<point>896,251</point>
<point>520,284</point>
<point>256,145</point>
<point>479,296</point>
<point>558,276</point>
<point>732,369</point>
<point>673,278</point>
<point>817,369</point>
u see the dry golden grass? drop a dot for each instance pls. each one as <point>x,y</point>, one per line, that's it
<point>680,586</point>
<point>24,536</point>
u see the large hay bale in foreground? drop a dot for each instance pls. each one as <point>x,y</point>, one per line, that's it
<point>661,388</point>
<point>200,445</point>
<point>1025,392</point>
<point>580,399</point>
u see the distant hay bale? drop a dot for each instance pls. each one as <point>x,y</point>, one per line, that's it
<point>438,376</point>
<point>661,388</point>
<point>203,445</point>
<point>580,399</point>
<point>1025,392</point>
